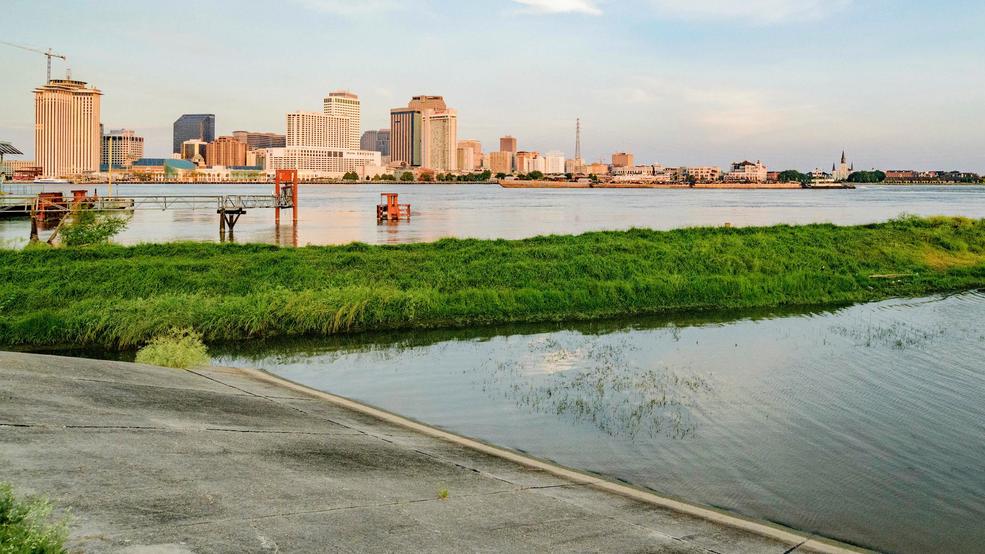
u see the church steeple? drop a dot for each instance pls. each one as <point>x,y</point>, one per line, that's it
<point>843,159</point>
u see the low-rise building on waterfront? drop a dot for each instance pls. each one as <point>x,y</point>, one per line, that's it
<point>315,161</point>
<point>701,174</point>
<point>747,172</point>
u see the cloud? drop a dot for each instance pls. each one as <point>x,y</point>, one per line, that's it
<point>350,8</point>
<point>761,12</point>
<point>723,113</point>
<point>587,7</point>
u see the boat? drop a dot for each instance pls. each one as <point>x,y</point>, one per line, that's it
<point>51,181</point>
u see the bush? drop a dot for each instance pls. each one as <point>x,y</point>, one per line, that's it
<point>25,526</point>
<point>92,228</point>
<point>178,348</point>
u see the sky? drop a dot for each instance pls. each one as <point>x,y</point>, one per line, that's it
<point>899,84</point>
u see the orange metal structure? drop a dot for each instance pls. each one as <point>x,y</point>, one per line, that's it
<point>286,185</point>
<point>390,209</point>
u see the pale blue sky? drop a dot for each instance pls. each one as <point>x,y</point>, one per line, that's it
<point>899,83</point>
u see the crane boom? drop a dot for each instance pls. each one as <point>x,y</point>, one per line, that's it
<point>48,53</point>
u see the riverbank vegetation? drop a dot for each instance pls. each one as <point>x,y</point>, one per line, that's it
<point>26,526</point>
<point>118,296</point>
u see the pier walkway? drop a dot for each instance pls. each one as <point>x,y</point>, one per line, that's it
<point>148,459</point>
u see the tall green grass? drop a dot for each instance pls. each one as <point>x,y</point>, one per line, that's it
<point>121,296</point>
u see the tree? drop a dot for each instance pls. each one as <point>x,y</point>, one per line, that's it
<point>535,175</point>
<point>407,176</point>
<point>485,175</point>
<point>426,177</point>
<point>350,176</point>
<point>569,176</point>
<point>867,177</point>
<point>794,176</point>
<point>501,175</point>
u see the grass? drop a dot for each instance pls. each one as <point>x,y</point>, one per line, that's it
<point>116,296</point>
<point>177,348</point>
<point>25,526</point>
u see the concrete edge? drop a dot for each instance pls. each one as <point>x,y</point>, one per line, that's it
<point>770,530</point>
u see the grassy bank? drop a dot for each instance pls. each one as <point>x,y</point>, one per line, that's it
<point>122,296</point>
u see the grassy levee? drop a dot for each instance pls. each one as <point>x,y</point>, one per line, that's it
<point>118,296</point>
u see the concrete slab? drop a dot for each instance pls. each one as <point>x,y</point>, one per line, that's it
<point>149,459</point>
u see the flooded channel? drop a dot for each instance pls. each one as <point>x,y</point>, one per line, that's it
<point>865,424</point>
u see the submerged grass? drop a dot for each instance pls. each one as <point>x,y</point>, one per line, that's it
<point>122,296</point>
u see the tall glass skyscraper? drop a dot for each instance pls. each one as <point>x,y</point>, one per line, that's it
<point>199,126</point>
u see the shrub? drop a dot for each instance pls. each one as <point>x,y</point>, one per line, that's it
<point>177,348</point>
<point>25,525</point>
<point>92,228</point>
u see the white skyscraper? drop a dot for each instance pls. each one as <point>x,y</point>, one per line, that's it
<point>441,139</point>
<point>343,103</point>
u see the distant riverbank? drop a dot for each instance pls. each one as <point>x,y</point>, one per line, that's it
<point>118,296</point>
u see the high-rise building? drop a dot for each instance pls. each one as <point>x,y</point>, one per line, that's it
<point>342,103</point>
<point>425,134</point>
<point>319,130</point>
<point>622,159</point>
<point>225,151</point>
<point>193,127</point>
<point>423,102</point>
<point>406,130</point>
<point>123,146</point>
<point>194,151</point>
<point>501,162</point>
<point>259,141</point>
<point>67,138</point>
<point>441,139</point>
<point>368,140</point>
<point>507,144</point>
<point>383,142</point>
<point>554,163</point>
<point>474,157</point>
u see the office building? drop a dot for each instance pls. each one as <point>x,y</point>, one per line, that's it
<point>525,162</point>
<point>194,151</point>
<point>425,134</point>
<point>622,159</point>
<point>225,152</point>
<point>123,147</point>
<point>501,162</point>
<point>343,103</point>
<point>193,127</point>
<point>474,155</point>
<point>507,144</point>
<point>67,137</point>
<point>259,141</point>
<point>441,139</point>
<point>554,163</point>
<point>319,130</point>
<point>376,141</point>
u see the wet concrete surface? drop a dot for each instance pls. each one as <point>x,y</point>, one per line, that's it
<point>147,459</point>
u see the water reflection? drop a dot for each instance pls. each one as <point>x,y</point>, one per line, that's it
<point>862,423</point>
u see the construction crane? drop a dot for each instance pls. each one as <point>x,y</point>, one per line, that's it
<point>48,53</point>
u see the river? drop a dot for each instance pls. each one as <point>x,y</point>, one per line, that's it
<point>339,214</point>
<point>864,424</point>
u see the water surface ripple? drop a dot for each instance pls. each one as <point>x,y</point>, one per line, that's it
<point>866,424</point>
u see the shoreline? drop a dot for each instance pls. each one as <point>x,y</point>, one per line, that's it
<point>105,434</point>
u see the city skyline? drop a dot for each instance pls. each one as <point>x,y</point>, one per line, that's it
<point>790,81</point>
